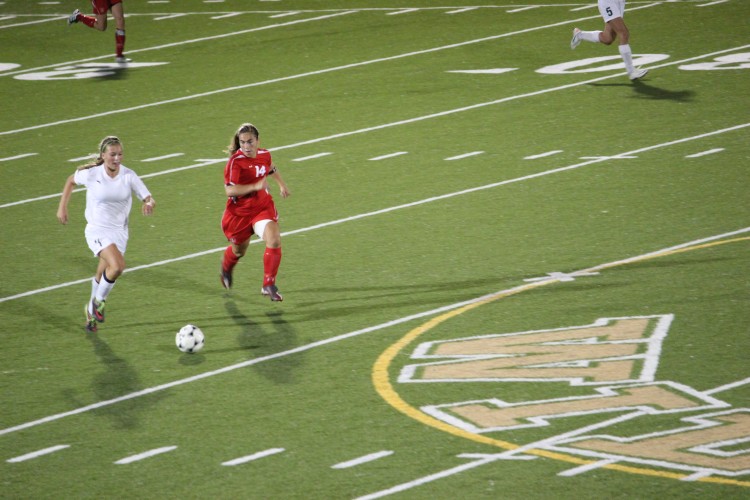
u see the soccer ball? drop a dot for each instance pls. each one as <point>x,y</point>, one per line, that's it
<point>190,339</point>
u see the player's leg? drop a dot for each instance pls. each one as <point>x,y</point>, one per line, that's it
<point>609,9</point>
<point>271,257</point>
<point>584,36</point>
<point>238,231</point>
<point>89,308</point>
<point>111,265</point>
<point>119,14</point>
<point>623,35</point>
<point>90,21</point>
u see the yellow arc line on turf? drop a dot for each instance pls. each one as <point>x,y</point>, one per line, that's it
<point>383,385</point>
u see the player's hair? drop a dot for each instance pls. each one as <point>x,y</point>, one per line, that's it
<point>234,144</point>
<point>110,140</point>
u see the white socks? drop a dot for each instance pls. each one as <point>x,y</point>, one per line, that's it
<point>590,36</point>
<point>627,56</point>
<point>101,290</point>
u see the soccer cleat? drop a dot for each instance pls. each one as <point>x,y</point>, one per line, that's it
<point>576,38</point>
<point>98,308</point>
<point>638,73</point>
<point>122,60</point>
<point>226,279</point>
<point>73,18</point>
<point>272,292</point>
<point>90,321</point>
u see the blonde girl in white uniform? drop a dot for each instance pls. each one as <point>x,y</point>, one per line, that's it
<point>109,196</point>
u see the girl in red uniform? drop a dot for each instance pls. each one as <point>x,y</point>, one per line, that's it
<point>250,208</point>
<point>99,21</point>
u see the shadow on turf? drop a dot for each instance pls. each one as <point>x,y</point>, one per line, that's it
<point>117,379</point>
<point>276,335</point>
<point>112,74</point>
<point>646,91</point>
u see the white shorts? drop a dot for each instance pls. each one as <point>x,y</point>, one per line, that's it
<point>260,227</point>
<point>611,9</point>
<point>99,238</point>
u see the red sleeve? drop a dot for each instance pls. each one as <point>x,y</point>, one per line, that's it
<point>231,173</point>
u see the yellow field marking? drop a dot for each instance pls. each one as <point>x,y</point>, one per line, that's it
<point>382,382</point>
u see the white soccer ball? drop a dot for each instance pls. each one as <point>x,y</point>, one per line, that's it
<point>190,339</point>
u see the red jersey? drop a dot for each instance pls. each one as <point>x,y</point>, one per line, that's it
<point>243,170</point>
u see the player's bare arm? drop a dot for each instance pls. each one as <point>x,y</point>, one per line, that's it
<point>62,209</point>
<point>243,189</point>
<point>276,176</point>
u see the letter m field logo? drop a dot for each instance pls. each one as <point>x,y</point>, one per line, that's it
<point>611,350</point>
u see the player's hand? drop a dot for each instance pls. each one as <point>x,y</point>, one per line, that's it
<point>148,207</point>
<point>62,216</point>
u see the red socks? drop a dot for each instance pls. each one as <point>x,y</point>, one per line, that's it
<point>87,20</point>
<point>119,42</point>
<point>229,260</point>
<point>271,261</point>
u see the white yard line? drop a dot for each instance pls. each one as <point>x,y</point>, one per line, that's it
<point>266,82</point>
<point>399,207</point>
<point>368,129</point>
<point>345,336</point>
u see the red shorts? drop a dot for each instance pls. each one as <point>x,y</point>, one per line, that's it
<point>102,6</point>
<point>239,228</point>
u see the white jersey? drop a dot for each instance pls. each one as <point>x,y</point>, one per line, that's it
<point>108,200</point>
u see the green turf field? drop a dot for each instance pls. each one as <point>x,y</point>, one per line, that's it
<point>508,271</point>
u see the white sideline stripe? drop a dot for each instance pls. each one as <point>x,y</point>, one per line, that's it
<point>285,78</point>
<point>586,468</point>
<point>164,157</point>
<point>465,155</point>
<point>254,456</point>
<point>704,153</point>
<point>590,6</point>
<point>390,155</point>
<point>38,453</point>
<point>18,157</point>
<point>543,155</point>
<point>145,454</point>
<point>356,333</point>
<point>394,208</point>
<point>727,387</point>
<point>362,460</point>
<point>712,3</point>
